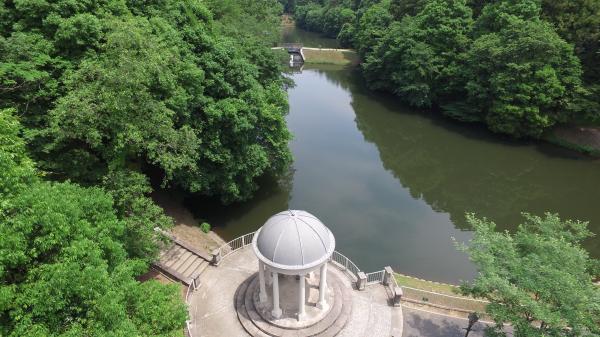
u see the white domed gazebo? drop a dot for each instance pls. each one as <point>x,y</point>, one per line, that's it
<point>293,243</point>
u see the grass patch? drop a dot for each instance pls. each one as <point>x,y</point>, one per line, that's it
<point>412,282</point>
<point>329,56</point>
<point>435,294</point>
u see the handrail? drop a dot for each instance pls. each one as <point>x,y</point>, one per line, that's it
<point>375,277</point>
<point>235,244</point>
<point>337,258</point>
<point>191,286</point>
<point>187,327</point>
<point>342,261</point>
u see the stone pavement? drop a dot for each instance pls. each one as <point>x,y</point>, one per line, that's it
<point>213,311</point>
<point>418,323</point>
<point>423,323</point>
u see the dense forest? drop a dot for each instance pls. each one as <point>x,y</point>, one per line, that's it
<point>96,94</point>
<point>519,66</point>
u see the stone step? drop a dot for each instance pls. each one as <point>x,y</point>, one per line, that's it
<point>240,296</point>
<point>187,262</point>
<point>172,258</point>
<point>181,260</point>
<point>194,273</point>
<point>335,320</point>
<point>197,261</point>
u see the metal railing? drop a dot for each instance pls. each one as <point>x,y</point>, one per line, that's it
<point>235,244</point>
<point>188,329</point>
<point>191,287</point>
<point>375,277</point>
<point>345,264</point>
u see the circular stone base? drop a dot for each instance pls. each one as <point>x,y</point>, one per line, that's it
<point>288,302</point>
<point>257,324</point>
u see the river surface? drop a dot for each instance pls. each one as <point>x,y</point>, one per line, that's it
<point>393,184</point>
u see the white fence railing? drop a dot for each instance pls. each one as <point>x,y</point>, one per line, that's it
<point>337,258</point>
<point>345,264</point>
<point>235,244</point>
<point>191,287</point>
<point>375,277</point>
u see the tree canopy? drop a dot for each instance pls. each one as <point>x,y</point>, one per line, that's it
<point>519,66</point>
<point>110,86</point>
<point>64,265</point>
<point>538,279</point>
<point>106,93</point>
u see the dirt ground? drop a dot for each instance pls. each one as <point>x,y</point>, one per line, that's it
<point>186,225</point>
<point>584,137</point>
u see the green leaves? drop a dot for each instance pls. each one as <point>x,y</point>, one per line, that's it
<point>17,169</point>
<point>64,263</point>
<point>518,76</point>
<point>522,77</point>
<point>107,90</point>
<point>539,279</point>
<point>420,57</point>
<point>107,86</point>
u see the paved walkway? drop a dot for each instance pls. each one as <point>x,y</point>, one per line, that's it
<point>213,312</point>
<point>418,323</point>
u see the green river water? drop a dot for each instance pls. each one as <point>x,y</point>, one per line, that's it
<point>393,183</point>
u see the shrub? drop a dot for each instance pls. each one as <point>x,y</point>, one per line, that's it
<point>205,227</point>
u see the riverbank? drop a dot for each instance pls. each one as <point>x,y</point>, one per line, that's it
<point>582,139</point>
<point>185,224</point>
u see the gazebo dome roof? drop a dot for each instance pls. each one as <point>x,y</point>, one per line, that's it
<point>293,240</point>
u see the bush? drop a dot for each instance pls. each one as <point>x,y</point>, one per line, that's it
<point>205,227</point>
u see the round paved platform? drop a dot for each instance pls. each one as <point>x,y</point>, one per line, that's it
<point>215,313</point>
<point>256,319</point>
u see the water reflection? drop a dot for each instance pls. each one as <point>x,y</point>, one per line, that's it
<point>393,184</point>
<point>291,34</point>
<point>457,168</point>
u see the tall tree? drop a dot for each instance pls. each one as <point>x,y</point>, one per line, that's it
<point>538,279</point>
<point>372,26</point>
<point>578,21</point>
<point>522,77</point>
<point>421,58</point>
<point>64,269</point>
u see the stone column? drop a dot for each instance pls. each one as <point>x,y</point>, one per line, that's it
<point>301,296</point>
<point>276,312</point>
<point>262,295</point>
<point>361,282</point>
<point>269,278</point>
<point>388,273</point>
<point>216,257</point>
<point>322,304</point>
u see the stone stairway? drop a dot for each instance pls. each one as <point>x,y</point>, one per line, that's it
<point>182,261</point>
